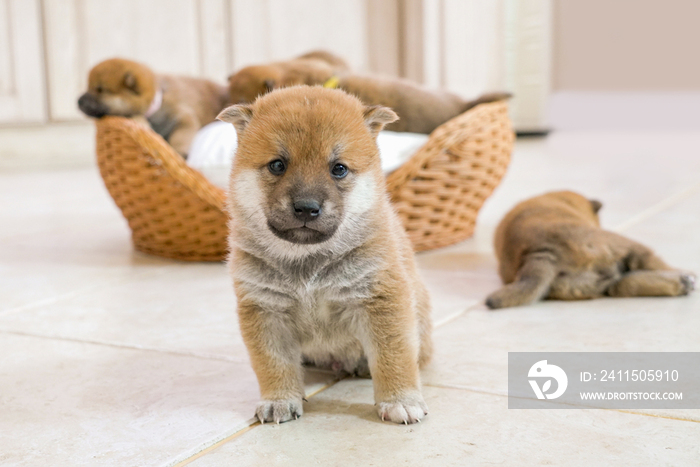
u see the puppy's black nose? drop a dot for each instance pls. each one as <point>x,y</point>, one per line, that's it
<point>91,107</point>
<point>306,209</point>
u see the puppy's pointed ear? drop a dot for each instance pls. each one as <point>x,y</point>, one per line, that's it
<point>238,115</point>
<point>377,116</point>
<point>269,84</point>
<point>130,81</point>
<point>596,205</point>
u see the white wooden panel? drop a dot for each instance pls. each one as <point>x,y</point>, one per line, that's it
<point>65,70</point>
<point>473,55</point>
<point>215,39</point>
<point>249,31</point>
<point>528,61</point>
<point>473,46</point>
<point>383,36</point>
<point>433,43</point>
<point>165,34</point>
<point>268,30</point>
<point>466,46</point>
<point>411,47</point>
<point>22,86</point>
<point>297,26</point>
<point>161,33</point>
<point>7,79</point>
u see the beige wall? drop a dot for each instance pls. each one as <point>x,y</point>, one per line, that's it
<point>633,45</point>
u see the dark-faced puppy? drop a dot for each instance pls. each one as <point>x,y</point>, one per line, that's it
<point>174,106</point>
<point>322,267</point>
<point>552,246</point>
<point>315,67</point>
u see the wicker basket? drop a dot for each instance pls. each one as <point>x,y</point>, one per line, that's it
<point>173,211</point>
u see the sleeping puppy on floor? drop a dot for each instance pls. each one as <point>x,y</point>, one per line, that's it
<point>552,246</point>
<point>420,109</point>
<point>176,107</point>
<point>314,67</point>
<point>322,267</point>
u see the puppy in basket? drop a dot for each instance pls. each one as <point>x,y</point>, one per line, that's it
<point>314,67</point>
<point>322,267</point>
<point>420,109</point>
<point>176,107</point>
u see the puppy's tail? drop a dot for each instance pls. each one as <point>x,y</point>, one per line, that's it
<point>486,98</point>
<point>531,284</point>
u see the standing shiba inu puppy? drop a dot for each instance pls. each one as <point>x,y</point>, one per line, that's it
<point>176,107</point>
<point>552,246</point>
<point>322,268</point>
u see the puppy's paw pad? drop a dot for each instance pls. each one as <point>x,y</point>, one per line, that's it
<point>279,410</point>
<point>688,283</point>
<point>409,410</point>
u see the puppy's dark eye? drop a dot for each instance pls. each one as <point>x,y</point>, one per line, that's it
<point>339,171</point>
<point>98,89</point>
<point>277,167</point>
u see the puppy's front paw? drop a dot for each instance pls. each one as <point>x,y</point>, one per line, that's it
<point>279,411</point>
<point>406,410</point>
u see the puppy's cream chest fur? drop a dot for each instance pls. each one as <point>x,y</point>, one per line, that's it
<point>321,297</point>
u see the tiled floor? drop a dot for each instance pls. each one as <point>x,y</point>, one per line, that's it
<point>111,357</point>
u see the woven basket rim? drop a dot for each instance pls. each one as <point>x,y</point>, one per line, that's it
<point>443,136</point>
<point>166,156</point>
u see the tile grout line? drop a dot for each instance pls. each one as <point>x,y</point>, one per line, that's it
<point>457,314</point>
<point>467,388</point>
<point>117,345</point>
<point>160,270</point>
<point>667,417</point>
<point>209,446</point>
<point>50,300</point>
<point>657,208</point>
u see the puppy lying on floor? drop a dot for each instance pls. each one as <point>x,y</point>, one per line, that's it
<point>322,267</point>
<point>420,109</point>
<point>174,106</point>
<point>314,67</point>
<point>552,246</point>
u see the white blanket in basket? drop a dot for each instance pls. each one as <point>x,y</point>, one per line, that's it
<point>214,146</point>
